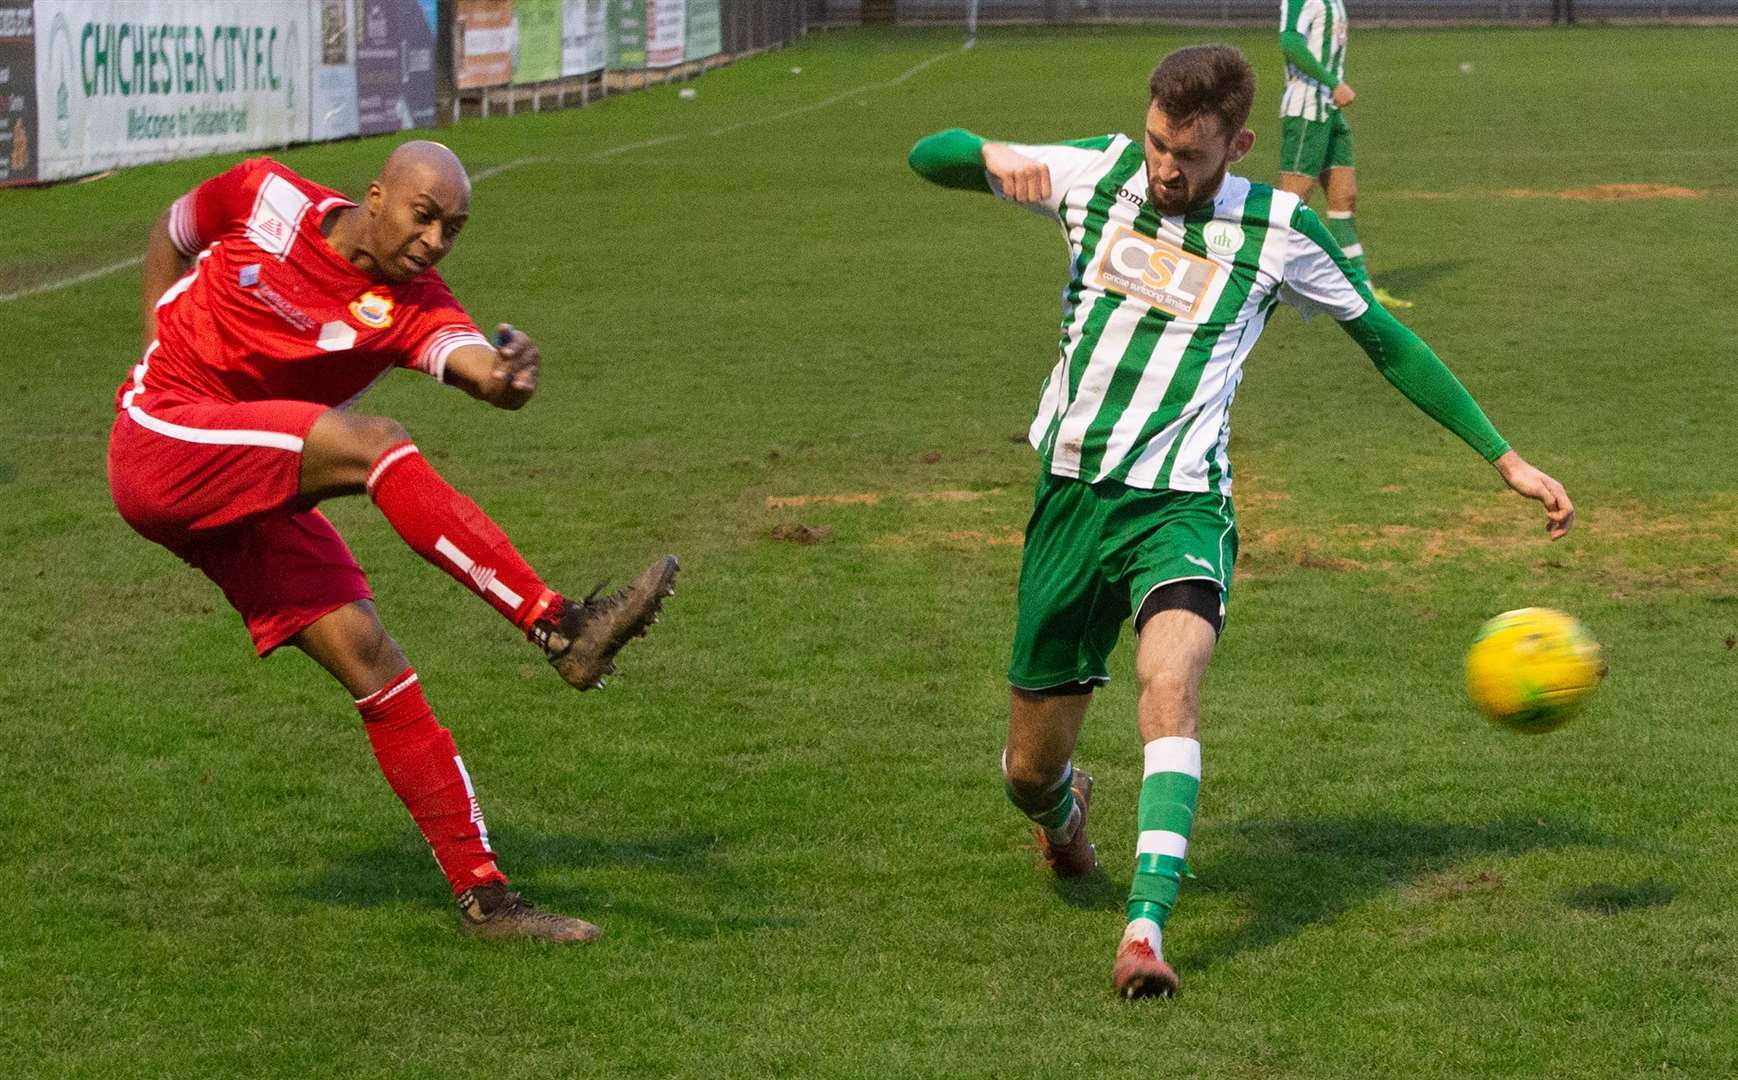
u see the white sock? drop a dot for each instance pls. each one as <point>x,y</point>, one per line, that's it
<point>1146,930</point>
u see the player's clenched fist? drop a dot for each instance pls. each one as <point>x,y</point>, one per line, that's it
<point>516,360</point>
<point>1018,176</point>
<point>1343,95</point>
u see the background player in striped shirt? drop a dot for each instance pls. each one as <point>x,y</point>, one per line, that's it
<point>270,304</point>
<point>1174,267</point>
<point>1315,141</point>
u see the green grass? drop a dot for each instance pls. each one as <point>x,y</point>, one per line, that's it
<point>787,811</point>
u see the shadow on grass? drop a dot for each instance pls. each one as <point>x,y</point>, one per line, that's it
<point>716,899</point>
<point>1403,281</point>
<point>1094,892</point>
<point>1295,873</point>
<point>1612,899</point>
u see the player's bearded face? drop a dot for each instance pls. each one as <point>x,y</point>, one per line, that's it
<point>1186,162</point>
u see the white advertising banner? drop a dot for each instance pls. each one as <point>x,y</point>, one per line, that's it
<point>121,82</point>
<point>583,39</point>
<point>666,32</point>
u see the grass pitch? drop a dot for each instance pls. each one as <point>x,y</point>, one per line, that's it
<point>786,812</point>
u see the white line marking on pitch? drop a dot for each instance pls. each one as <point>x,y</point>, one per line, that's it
<point>77,279</point>
<point>836,98</point>
<point>643,144</point>
<point>126,264</point>
<point>497,170</point>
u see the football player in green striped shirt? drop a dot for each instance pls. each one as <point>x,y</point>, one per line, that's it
<point>1175,266</point>
<point>1315,142</point>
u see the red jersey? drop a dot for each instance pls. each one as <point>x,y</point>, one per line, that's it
<point>270,311</point>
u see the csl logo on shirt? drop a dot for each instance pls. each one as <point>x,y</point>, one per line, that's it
<point>1155,272</point>
<point>373,309</point>
<point>249,276</point>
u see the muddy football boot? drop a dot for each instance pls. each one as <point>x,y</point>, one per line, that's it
<point>582,637</point>
<point>1140,971</point>
<point>493,911</point>
<point>1076,858</point>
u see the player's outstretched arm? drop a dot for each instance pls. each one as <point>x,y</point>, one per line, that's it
<point>164,266</point>
<point>504,376</point>
<point>1416,371</point>
<point>953,158</point>
<point>957,158</point>
<point>1317,277</point>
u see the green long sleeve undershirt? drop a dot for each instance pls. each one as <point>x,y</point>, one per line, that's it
<point>953,158</point>
<point>1296,48</point>
<point>1408,363</point>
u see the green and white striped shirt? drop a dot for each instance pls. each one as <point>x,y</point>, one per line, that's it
<point>1160,311</point>
<point>1322,23</point>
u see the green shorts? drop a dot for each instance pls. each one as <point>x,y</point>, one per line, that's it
<point>1093,553</point>
<point>1312,147</point>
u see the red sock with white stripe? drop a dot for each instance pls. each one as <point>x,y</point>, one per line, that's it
<point>421,763</point>
<point>452,532</point>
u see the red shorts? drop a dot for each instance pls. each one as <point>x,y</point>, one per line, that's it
<point>218,484</point>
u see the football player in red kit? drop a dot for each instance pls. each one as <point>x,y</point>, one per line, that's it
<point>270,304</point>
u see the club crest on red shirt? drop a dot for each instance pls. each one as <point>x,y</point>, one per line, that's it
<point>373,309</point>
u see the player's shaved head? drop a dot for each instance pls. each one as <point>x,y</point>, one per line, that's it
<point>416,207</point>
<point>426,164</point>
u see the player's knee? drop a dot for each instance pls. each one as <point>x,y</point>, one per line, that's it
<point>373,650</point>
<point>343,446</point>
<point>374,435</point>
<point>377,649</point>
<point>1166,686</point>
<point>1027,776</point>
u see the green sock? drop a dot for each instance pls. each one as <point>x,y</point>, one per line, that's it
<point>1345,234</point>
<point>1167,813</point>
<point>1051,807</point>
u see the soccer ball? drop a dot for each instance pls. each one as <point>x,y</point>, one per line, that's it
<point>1533,669</point>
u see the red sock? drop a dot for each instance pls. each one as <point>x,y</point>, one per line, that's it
<point>452,532</point>
<point>422,765</point>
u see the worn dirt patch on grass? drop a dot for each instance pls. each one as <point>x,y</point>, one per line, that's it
<point>1629,550</point>
<point>875,498</point>
<point>1625,192</point>
<point>1456,886</point>
<point>1626,549</point>
<point>785,502</point>
<point>806,535</point>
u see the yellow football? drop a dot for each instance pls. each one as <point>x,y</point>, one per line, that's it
<point>1533,669</point>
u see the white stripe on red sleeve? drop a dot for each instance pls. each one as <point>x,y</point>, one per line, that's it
<point>183,228</point>
<point>432,358</point>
